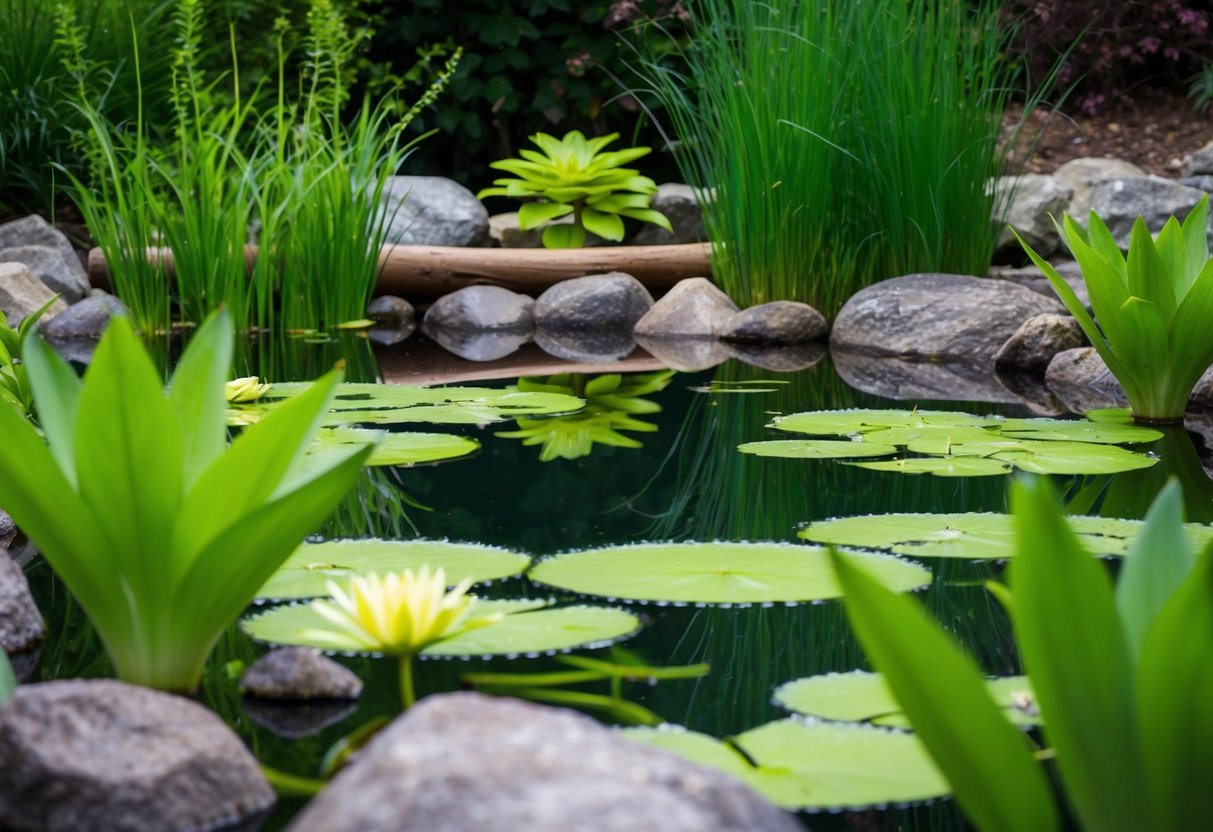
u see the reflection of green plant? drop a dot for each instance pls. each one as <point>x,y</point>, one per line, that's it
<point>1154,309</point>
<point>611,402</point>
<point>14,381</point>
<point>1122,678</point>
<point>161,531</point>
<point>574,177</point>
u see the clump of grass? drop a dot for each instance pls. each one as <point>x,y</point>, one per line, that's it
<point>839,142</point>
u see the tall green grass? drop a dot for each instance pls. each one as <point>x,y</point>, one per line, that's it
<point>839,142</point>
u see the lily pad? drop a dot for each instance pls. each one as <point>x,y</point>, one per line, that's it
<point>816,448</point>
<point>401,448</point>
<point>1042,457</point>
<point>860,696</point>
<point>940,466</point>
<point>525,630</point>
<point>847,422</point>
<point>714,573</point>
<point>310,567</point>
<point>816,767</point>
<point>1079,430</point>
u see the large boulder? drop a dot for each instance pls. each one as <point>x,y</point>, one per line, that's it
<point>1034,279</point>
<point>596,303</point>
<point>20,622</point>
<point>1120,201</point>
<point>778,322</point>
<point>1081,380</point>
<point>299,673</point>
<point>1083,175</point>
<point>1200,162</point>
<point>86,319</point>
<point>891,377</point>
<point>939,317</point>
<point>481,309</point>
<point>48,265</point>
<point>1035,343</point>
<point>466,761</point>
<point>100,754</point>
<point>22,294</point>
<point>681,208</point>
<point>1032,200</point>
<point>35,231</point>
<point>694,308</point>
<point>433,211</point>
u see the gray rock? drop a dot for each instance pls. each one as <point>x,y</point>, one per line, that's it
<point>1034,279</point>
<point>505,232</point>
<point>433,211</point>
<point>100,754</point>
<point>299,673</point>
<point>939,317</point>
<point>296,719</point>
<point>1034,200</point>
<point>22,294</point>
<point>778,322</point>
<point>20,622</point>
<point>591,347</point>
<point>1035,343</point>
<point>479,346</point>
<point>1031,390</point>
<point>1081,381</point>
<point>1120,201</point>
<point>784,358</point>
<point>687,355</point>
<point>596,303</point>
<point>24,664</point>
<point>1083,175</point>
<point>8,529</point>
<point>694,308</point>
<point>1199,163</point>
<point>48,265</point>
<point>466,761</point>
<point>391,311</point>
<point>35,231</point>
<point>86,319</point>
<point>481,309</point>
<point>908,380</point>
<point>681,208</point>
<point>1204,183</point>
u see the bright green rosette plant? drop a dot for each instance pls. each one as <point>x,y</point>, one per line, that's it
<point>1122,678</point>
<point>160,528</point>
<point>1154,308</point>
<point>14,381</point>
<point>572,176</point>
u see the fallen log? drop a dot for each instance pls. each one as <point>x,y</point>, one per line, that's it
<point>433,271</point>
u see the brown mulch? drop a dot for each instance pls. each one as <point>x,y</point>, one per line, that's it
<point>1154,129</point>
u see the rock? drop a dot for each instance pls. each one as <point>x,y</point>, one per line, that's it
<point>433,211</point>
<point>465,761</point>
<point>681,208</point>
<point>48,265</point>
<point>86,319</point>
<point>1034,199</point>
<point>299,673</point>
<point>1204,183</point>
<point>686,355</point>
<point>8,529</point>
<point>1083,175</point>
<point>1081,380</point>
<point>778,322</point>
<point>479,346</point>
<point>296,719</point>
<point>391,311</point>
<point>908,380</point>
<point>597,303</point>
<point>600,347</point>
<point>504,230</point>
<point>22,294</point>
<point>787,358</point>
<point>1035,343</point>
<point>35,231</point>
<point>100,754</point>
<point>939,317</point>
<point>20,622</point>
<point>1034,279</point>
<point>694,308</point>
<point>1119,202</point>
<point>1199,163</point>
<point>481,309</point>
<point>24,664</point>
<point>1031,390</point>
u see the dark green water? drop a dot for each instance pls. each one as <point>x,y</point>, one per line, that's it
<point>688,482</point>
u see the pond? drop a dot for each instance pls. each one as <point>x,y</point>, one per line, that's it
<point>687,482</point>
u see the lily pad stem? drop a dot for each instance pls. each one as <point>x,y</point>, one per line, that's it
<point>407,694</point>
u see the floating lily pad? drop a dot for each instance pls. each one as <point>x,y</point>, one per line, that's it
<point>816,448</point>
<point>816,767</point>
<point>1043,457</point>
<point>941,466</point>
<point>714,573</point>
<point>310,567</point>
<point>977,536</point>
<point>525,630</point>
<point>865,697</point>
<point>406,448</point>
<point>1079,430</point>
<point>847,422</point>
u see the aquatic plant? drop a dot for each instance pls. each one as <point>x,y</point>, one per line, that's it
<point>1121,677</point>
<point>838,143</point>
<point>160,529</point>
<point>1154,307</point>
<point>14,379</point>
<point>8,682</point>
<point>574,177</point>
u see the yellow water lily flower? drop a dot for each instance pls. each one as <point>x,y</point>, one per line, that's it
<point>247,389</point>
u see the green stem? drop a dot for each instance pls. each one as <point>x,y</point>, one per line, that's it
<point>407,695</point>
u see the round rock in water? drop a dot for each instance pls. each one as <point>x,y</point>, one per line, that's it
<point>939,317</point>
<point>478,346</point>
<point>480,309</point>
<point>1035,343</point>
<point>694,308</point>
<point>596,303</point>
<point>299,673</point>
<point>433,211</point>
<point>100,754</point>
<point>464,761</point>
<point>86,319</point>
<point>1082,381</point>
<point>686,355</point>
<point>592,347</point>
<point>392,311</point>
<point>20,621</point>
<point>777,323</point>
<point>782,358</point>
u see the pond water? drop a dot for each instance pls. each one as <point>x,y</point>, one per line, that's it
<point>687,482</point>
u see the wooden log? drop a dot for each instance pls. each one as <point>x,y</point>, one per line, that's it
<point>433,271</point>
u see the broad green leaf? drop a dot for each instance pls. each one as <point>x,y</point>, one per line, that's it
<point>535,214</point>
<point>1074,650</point>
<point>563,236</point>
<point>1191,350</point>
<point>846,422</point>
<point>407,448</point>
<point>952,466</point>
<point>1174,689</point>
<point>1173,252</point>
<point>605,225</point>
<point>715,573</point>
<point>816,448</point>
<point>56,388</point>
<point>306,572</point>
<point>945,436</point>
<point>1090,429</point>
<point>988,762</point>
<point>649,215</point>
<point>1072,458</point>
<point>197,395</point>
<point>1148,275</point>
<point>1196,241</point>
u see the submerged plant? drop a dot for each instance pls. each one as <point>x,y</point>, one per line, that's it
<point>1121,676</point>
<point>14,379</point>
<point>574,177</point>
<point>161,530</point>
<point>1154,308</point>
